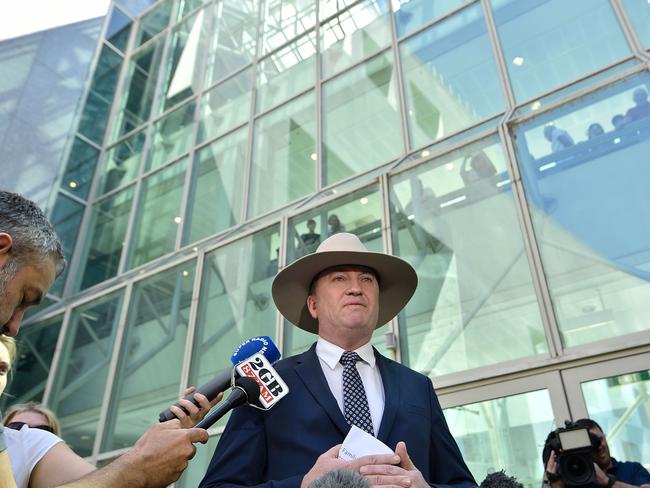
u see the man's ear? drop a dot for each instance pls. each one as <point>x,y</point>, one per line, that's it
<point>6,242</point>
<point>311,306</point>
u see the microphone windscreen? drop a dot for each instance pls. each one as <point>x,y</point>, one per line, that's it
<point>262,344</point>
<point>340,478</point>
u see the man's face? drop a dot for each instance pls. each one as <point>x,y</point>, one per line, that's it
<point>601,455</point>
<point>345,301</point>
<point>20,289</point>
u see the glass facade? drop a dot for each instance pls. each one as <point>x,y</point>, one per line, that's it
<point>497,146</point>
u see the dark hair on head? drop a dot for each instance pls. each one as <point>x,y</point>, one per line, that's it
<point>32,234</point>
<point>500,480</point>
<point>588,424</point>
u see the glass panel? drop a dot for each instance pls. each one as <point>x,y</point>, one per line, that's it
<point>225,106</point>
<point>584,171</point>
<point>122,163</point>
<point>353,35</point>
<point>235,302</point>
<point>284,156</point>
<point>182,72</point>
<point>66,220</point>
<point>454,220</point>
<point>78,390</point>
<point>135,7</point>
<point>286,73</point>
<point>172,135</point>
<point>118,30</point>
<point>106,238</point>
<point>148,374</point>
<point>153,22</point>
<point>327,8</point>
<point>411,14</point>
<point>80,168</point>
<point>549,43</point>
<point>98,104</point>
<point>233,39</point>
<point>450,77</point>
<point>36,309</point>
<point>140,84</point>
<point>218,185</point>
<point>158,214</point>
<point>283,20</point>
<point>639,14</point>
<point>32,365</point>
<point>358,213</point>
<point>184,7</point>
<point>192,476</point>
<point>505,433</point>
<point>361,119</point>
<point>620,405</point>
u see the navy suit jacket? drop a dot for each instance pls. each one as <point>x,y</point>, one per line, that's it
<point>275,449</point>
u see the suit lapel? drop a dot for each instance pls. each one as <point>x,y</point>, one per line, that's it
<point>310,372</point>
<point>391,394</point>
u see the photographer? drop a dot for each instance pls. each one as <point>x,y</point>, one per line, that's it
<point>608,472</point>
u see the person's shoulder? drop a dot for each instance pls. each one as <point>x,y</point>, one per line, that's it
<point>37,437</point>
<point>291,362</point>
<point>401,369</point>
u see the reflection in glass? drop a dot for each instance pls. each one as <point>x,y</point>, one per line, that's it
<point>284,156</point>
<point>105,238</point>
<point>140,84</point>
<point>96,110</point>
<point>66,219</point>
<point>286,72</point>
<point>354,34</point>
<point>233,38</point>
<point>182,74</point>
<point>454,220</point>
<point>282,20</point>
<point>153,22</point>
<point>361,119</point>
<point>79,384</point>
<point>122,163</point>
<point>638,12</point>
<point>172,135</point>
<point>118,29</point>
<point>358,213</point>
<point>598,280</point>
<point>148,374</point>
<point>450,77</point>
<point>30,370</point>
<point>217,188</point>
<point>549,43</point>
<point>235,302</point>
<point>158,214</point>
<point>620,404</point>
<point>80,168</point>
<point>225,106</point>
<point>506,433</point>
<point>411,14</point>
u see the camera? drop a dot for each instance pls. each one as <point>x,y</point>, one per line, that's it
<point>572,445</point>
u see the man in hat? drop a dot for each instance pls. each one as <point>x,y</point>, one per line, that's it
<point>343,293</point>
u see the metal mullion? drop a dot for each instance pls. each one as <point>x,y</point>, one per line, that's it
<point>56,357</point>
<point>331,198</point>
<point>112,369</point>
<point>341,12</point>
<point>388,247</point>
<point>128,237</point>
<point>380,167</point>
<point>157,118</point>
<point>283,103</point>
<point>318,102</point>
<point>248,168</point>
<point>191,323</point>
<point>79,135</point>
<point>111,193</point>
<point>71,196</point>
<point>243,235</point>
<point>629,32</point>
<point>222,135</point>
<point>437,20</point>
<point>141,273</point>
<point>358,63</point>
<point>228,77</point>
<point>158,95</point>
<point>164,166</point>
<point>502,68</point>
<point>282,261</point>
<point>531,245</point>
<point>397,63</point>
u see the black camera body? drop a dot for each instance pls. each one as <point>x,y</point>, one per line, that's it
<point>573,446</point>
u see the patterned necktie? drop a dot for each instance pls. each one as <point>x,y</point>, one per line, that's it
<point>355,403</point>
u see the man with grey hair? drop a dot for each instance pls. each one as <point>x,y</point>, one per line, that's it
<point>30,260</point>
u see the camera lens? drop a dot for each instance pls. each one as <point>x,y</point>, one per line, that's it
<point>577,469</point>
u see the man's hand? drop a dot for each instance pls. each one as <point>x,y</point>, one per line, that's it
<point>552,471</point>
<point>194,414</point>
<point>404,475</point>
<point>601,476</point>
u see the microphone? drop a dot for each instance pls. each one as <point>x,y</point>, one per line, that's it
<point>245,390</point>
<point>223,379</point>
<point>339,478</point>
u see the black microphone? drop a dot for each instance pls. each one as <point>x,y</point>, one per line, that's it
<point>245,390</point>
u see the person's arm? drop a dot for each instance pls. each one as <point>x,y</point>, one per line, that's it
<point>602,479</point>
<point>6,474</point>
<point>156,460</point>
<point>59,465</point>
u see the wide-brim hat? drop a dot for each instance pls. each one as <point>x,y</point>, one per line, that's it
<point>397,279</point>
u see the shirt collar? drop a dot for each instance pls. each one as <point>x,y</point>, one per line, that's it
<point>331,353</point>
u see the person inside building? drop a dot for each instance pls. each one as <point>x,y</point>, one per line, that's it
<point>311,238</point>
<point>34,415</point>
<point>610,473</point>
<point>342,293</point>
<point>559,138</point>
<point>641,107</point>
<point>30,259</point>
<point>335,225</point>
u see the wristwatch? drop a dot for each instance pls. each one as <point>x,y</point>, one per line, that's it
<point>611,479</point>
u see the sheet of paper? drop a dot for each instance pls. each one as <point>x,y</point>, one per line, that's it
<point>359,443</point>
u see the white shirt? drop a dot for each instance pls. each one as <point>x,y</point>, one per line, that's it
<point>329,355</point>
<point>26,447</point>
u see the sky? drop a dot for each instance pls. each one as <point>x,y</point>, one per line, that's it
<point>22,17</point>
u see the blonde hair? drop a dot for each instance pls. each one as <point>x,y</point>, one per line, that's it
<point>39,408</point>
<point>10,344</point>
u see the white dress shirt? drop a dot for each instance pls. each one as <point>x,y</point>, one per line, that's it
<point>329,355</point>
